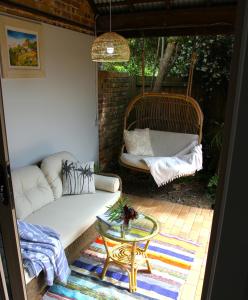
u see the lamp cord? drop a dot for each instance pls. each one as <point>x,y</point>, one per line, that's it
<point>95,26</point>
<point>110,16</point>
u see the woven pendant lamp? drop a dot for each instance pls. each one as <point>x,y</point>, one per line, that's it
<point>110,46</point>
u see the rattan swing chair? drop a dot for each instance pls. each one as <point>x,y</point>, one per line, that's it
<point>171,112</point>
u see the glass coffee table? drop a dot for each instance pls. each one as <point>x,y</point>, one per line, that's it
<point>131,251</point>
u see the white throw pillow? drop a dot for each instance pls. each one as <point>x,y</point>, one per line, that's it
<point>138,142</point>
<point>78,177</point>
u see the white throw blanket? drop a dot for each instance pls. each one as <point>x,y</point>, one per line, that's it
<point>185,162</point>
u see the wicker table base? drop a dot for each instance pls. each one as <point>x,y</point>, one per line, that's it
<point>128,257</point>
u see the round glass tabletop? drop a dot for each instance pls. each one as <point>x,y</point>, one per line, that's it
<point>141,229</point>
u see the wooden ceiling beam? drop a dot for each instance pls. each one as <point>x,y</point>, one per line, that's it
<point>127,2</point>
<point>179,20</point>
<point>178,32</point>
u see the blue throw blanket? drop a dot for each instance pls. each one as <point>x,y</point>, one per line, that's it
<point>42,250</point>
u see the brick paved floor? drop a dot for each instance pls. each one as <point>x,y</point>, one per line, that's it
<point>191,223</point>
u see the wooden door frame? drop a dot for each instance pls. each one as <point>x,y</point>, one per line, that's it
<point>3,286</point>
<point>8,225</point>
<point>227,263</point>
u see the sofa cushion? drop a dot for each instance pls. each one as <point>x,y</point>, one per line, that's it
<point>31,190</point>
<point>165,143</point>
<point>51,166</point>
<point>78,177</point>
<point>71,215</point>
<point>107,183</point>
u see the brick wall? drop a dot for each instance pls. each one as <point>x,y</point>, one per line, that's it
<point>71,14</point>
<point>113,97</point>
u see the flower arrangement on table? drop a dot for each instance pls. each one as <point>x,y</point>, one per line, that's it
<point>120,213</point>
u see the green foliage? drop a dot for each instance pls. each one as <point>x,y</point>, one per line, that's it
<point>133,67</point>
<point>217,136</point>
<point>115,212</point>
<point>213,62</point>
<point>97,167</point>
<point>213,182</point>
<point>212,186</point>
<point>213,140</point>
<point>214,55</point>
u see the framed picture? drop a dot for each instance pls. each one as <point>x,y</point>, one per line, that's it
<point>21,48</point>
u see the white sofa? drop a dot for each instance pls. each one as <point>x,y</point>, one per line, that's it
<point>39,200</point>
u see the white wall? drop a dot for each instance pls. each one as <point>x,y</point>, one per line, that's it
<point>58,112</point>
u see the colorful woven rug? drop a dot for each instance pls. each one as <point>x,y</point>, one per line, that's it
<point>170,257</point>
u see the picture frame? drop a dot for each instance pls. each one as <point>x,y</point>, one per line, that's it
<point>22,50</point>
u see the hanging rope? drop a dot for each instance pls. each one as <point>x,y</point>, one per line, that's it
<point>191,71</point>
<point>143,66</point>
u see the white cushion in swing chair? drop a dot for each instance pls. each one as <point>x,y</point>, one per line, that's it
<point>134,161</point>
<point>164,144</point>
<point>138,142</point>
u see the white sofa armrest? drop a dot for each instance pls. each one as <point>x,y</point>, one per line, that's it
<point>107,182</point>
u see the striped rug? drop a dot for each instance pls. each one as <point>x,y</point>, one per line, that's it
<point>170,257</point>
